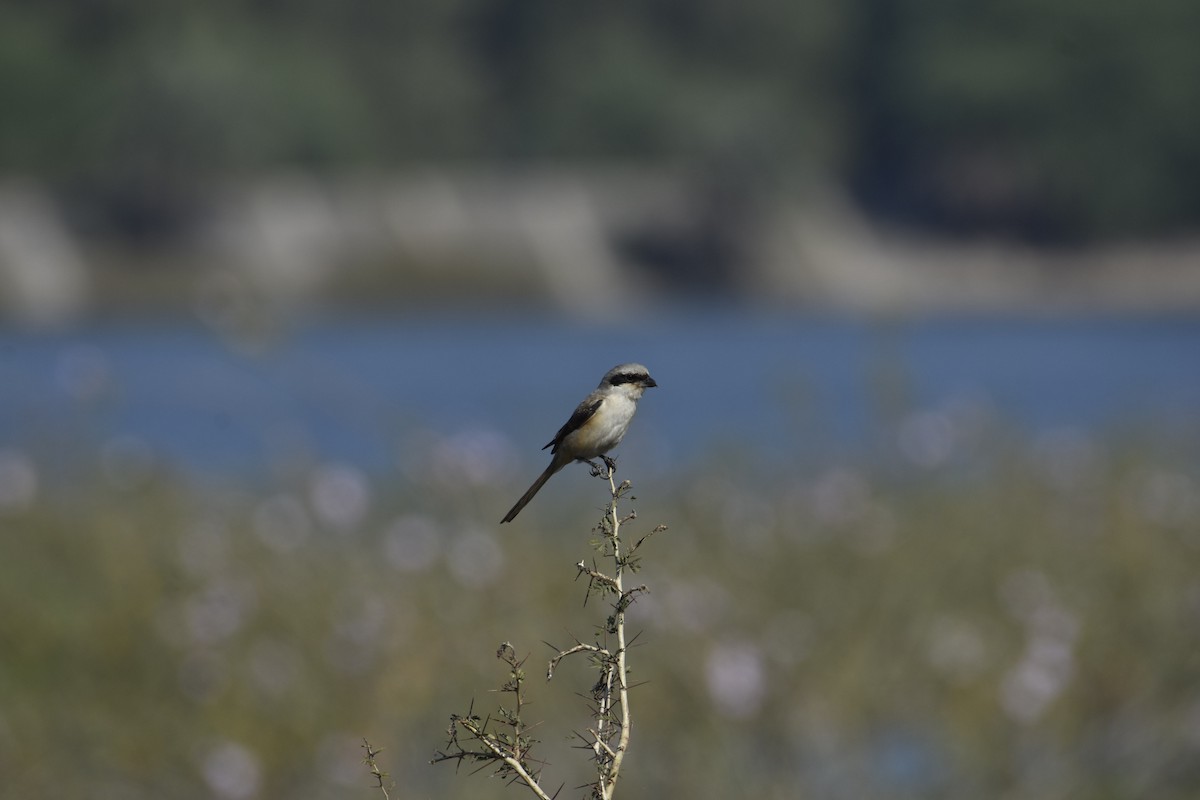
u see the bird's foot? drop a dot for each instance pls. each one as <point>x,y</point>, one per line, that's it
<point>611,463</point>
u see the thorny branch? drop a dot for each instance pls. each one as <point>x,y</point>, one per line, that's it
<point>501,742</point>
<point>609,739</point>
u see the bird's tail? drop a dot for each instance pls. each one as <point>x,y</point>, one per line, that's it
<point>538,484</point>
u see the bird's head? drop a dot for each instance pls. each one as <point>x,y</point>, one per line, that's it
<point>632,376</point>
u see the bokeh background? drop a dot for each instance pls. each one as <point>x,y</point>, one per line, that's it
<point>292,293</point>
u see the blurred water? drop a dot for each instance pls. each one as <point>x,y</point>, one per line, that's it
<point>792,387</point>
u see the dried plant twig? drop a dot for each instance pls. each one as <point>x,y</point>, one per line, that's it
<point>501,741</point>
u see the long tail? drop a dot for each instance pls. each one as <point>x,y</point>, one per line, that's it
<point>538,484</point>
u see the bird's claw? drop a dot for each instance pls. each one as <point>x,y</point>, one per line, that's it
<point>597,470</point>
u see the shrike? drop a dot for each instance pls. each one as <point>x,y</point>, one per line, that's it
<point>597,425</point>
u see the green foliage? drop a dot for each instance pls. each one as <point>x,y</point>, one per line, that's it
<point>1065,120</point>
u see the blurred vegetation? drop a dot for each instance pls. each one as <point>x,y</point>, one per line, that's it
<point>1049,121</point>
<point>1020,624</point>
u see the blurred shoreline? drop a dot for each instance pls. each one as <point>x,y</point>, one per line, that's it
<point>588,240</point>
<point>797,393</point>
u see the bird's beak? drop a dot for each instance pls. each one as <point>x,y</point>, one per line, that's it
<point>649,383</point>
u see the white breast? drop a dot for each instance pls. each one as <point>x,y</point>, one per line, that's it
<point>605,429</point>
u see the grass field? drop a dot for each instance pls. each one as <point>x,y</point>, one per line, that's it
<point>1021,620</point>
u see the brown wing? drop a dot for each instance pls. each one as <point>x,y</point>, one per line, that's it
<point>583,412</point>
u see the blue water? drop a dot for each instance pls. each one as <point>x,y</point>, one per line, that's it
<point>356,389</point>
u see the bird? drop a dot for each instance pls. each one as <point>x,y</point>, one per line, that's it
<point>597,425</point>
